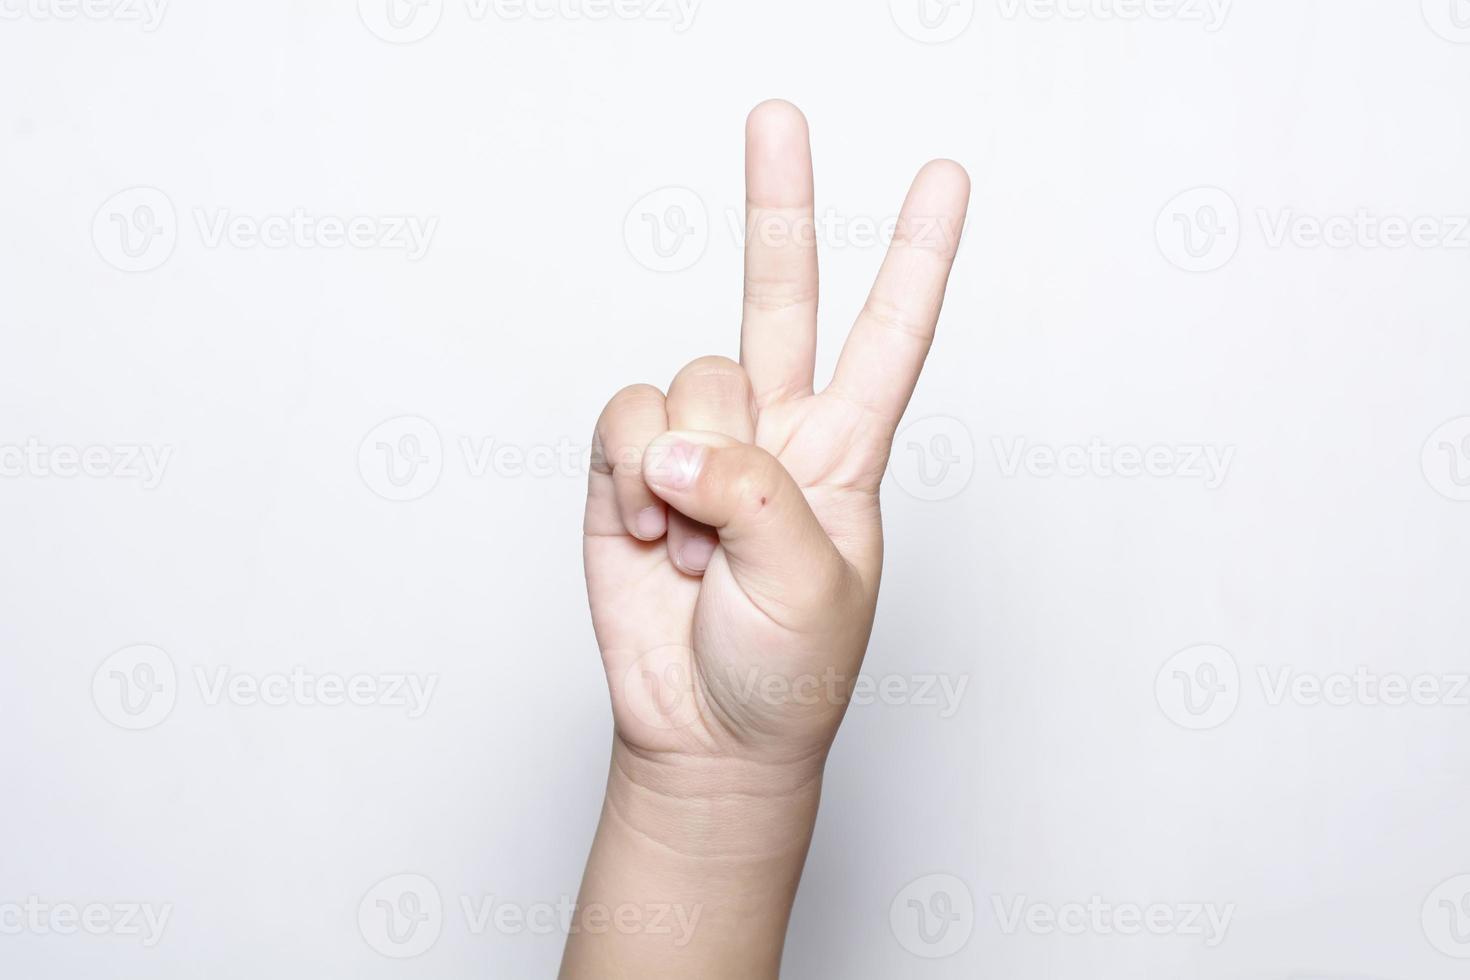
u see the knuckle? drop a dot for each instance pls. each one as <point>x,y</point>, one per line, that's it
<point>892,317</point>
<point>756,481</point>
<point>713,378</point>
<point>614,436</point>
<point>773,295</point>
<point>633,397</point>
<point>712,366</point>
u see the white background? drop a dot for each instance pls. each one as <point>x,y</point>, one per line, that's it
<point>1072,767</point>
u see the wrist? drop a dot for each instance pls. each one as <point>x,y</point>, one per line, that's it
<point>719,809</point>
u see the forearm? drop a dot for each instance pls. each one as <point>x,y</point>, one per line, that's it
<point>693,869</point>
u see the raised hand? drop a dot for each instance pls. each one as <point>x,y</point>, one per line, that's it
<point>733,539</point>
<point>733,549</point>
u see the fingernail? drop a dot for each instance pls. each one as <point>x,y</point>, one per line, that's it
<point>695,554</point>
<point>676,465</point>
<point>651,523</point>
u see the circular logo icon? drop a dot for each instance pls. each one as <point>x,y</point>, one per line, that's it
<point>932,917</point>
<point>401,916</point>
<point>401,21</point>
<point>658,689</point>
<point>1199,231</point>
<point>136,687</point>
<point>932,21</point>
<point>667,230</point>
<point>933,459</point>
<point>136,230</point>
<point>1199,688</point>
<point>1446,459</point>
<point>1446,917</point>
<point>1450,19</point>
<point>402,459</point>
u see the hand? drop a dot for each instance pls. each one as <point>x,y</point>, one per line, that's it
<point>733,547</point>
<point>733,541</point>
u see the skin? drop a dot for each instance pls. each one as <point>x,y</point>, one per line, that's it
<point>733,548</point>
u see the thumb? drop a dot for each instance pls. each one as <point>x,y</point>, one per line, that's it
<point>773,542</point>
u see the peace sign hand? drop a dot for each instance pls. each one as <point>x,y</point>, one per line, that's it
<point>733,542</point>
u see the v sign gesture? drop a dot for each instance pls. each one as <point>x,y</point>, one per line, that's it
<point>733,549</point>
